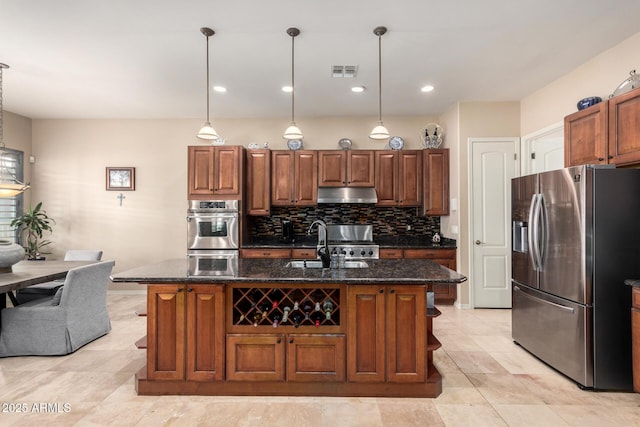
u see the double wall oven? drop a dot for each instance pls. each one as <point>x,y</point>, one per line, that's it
<point>212,237</point>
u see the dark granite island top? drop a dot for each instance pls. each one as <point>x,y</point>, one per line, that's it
<point>393,271</point>
<point>633,282</point>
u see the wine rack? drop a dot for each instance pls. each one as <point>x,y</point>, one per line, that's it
<point>304,307</point>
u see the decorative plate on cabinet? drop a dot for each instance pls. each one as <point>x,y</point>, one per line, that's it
<point>294,144</point>
<point>345,144</point>
<point>396,143</point>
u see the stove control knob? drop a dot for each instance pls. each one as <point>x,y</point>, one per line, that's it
<point>343,252</point>
<point>351,252</point>
<point>370,253</point>
<point>362,252</point>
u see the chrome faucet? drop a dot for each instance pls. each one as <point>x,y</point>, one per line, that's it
<point>323,251</point>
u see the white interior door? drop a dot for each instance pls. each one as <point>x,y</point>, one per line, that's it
<point>543,150</point>
<point>493,165</point>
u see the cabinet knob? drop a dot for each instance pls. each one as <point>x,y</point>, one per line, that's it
<point>392,291</point>
<point>478,242</point>
<point>610,157</point>
<point>291,341</point>
<point>380,291</point>
<point>279,340</point>
<point>189,289</point>
<point>179,289</point>
<point>600,159</point>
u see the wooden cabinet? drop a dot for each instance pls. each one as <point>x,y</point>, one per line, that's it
<point>398,177</point>
<point>436,181</point>
<point>290,357</point>
<point>265,253</point>
<point>608,132</point>
<point>258,173</point>
<point>294,178</point>
<point>185,332</point>
<point>351,168</point>
<point>635,339</point>
<point>387,334</point>
<point>305,253</point>
<point>624,129</point>
<point>215,171</point>
<point>444,294</point>
<point>585,136</point>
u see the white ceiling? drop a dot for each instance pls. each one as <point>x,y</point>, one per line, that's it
<point>146,58</point>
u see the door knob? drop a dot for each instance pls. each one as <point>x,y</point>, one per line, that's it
<point>478,242</point>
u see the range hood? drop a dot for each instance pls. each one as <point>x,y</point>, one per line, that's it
<point>347,195</point>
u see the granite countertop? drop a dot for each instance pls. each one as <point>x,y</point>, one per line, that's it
<point>381,271</point>
<point>409,242</point>
<point>633,282</point>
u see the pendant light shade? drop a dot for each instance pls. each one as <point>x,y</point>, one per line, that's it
<point>293,131</point>
<point>379,132</point>
<point>9,184</point>
<point>207,131</point>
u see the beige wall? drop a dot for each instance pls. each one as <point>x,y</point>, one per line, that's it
<point>69,176</point>
<point>599,76</point>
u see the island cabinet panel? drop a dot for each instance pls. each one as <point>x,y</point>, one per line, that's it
<point>294,178</point>
<point>585,136</point>
<point>624,129</point>
<point>258,182</point>
<point>315,357</point>
<point>185,332</point>
<point>215,171</point>
<point>387,334</point>
<point>635,338</point>
<point>255,357</point>
<point>351,168</point>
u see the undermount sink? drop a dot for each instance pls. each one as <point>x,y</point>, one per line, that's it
<point>318,264</point>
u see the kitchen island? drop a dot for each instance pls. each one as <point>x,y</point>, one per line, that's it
<point>273,329</point>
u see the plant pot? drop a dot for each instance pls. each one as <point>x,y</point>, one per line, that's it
<point>10,254</point>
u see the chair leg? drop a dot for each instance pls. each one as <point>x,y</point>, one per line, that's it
<point>13,299</point>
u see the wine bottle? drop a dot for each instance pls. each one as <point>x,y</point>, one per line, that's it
<point>306,307</point>
<point>287,309</point>
<point>266,307</point>
<point>317,308</point>
<point>297,318</point>
<point>276,320</point>
<point>276,296</point>
<point>256,319</point>
<point>317,318</point>
<point>327,306</point>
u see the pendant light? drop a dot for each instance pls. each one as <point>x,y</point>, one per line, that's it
<point>9,184</point>
<point>379,132</point>
<point>207,131</point>
<point>293,131</point>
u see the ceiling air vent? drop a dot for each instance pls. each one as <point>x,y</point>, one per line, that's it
<point>345,71</point>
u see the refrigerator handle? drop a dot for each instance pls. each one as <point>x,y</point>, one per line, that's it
<point>531,232</point>
<point>542,242</point>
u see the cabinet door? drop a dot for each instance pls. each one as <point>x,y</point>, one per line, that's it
<point>332,168</point>
<point>410,178</point>
<point>366,332</point>
<point>205,333</point>
<point>406,333</point>
<point>585,136</point>
<point>360,168</point>
<point>436,181</point>
<point>315,358</point>
<point>306,178</point>
<point>258,182</point>
<point>624,128</point>
<point>282,178</point>
<point>200,171</point>
<point>386,177</point>
<point>253,357</point>
<point>165,332</point>
<point>390,253</point>
<point>227,170</point>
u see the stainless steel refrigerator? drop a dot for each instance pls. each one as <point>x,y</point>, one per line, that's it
<point>575,239</point>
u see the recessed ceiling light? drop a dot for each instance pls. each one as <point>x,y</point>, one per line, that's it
<point>287,89</point>
<point>220,88</point>
<point>358,89</point>
<point>427,88</point>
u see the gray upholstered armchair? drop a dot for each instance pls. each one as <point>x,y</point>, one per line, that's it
<point>62,323</point>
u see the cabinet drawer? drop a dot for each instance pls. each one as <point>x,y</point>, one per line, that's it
<point>265,253</point>
<point>391,253</point>
<point>310,253</point>
<point>636,298</point>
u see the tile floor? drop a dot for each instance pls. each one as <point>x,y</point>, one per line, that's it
<point>488,381</point>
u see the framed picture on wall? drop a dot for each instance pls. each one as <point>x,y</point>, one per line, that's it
<point>121,179</point>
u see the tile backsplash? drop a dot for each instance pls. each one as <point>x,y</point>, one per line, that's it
<point>386,221</point>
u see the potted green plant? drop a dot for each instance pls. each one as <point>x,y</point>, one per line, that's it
<point>33,222</point>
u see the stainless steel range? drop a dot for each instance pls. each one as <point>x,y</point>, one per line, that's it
<point>353,241</point>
